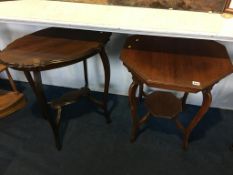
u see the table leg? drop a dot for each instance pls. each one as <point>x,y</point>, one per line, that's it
<point>133,108</point>
<point>141,87</point>
<point>85,72</point>
<point>184,99</point>
<point>13,86</point>
<point>106,65</point>
<point>36,85</point>
<point>207,98</point>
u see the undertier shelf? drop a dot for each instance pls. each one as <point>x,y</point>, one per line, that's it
<point>10,102</point>
<point>163,104</point>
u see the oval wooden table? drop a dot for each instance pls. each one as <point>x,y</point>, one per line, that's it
<point>54,48</point>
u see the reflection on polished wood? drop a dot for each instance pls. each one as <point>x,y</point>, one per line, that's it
<point>192,5</point>
<point>184,65</point>
<point>48,49</point>
<point>54,48</point>
<point>229,6</point>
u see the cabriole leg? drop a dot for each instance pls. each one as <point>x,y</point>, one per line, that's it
<point>37,87</point>
<point>207,98</point>
<point>85,72</point>
<point>106,66</point>
<point>133,108</point>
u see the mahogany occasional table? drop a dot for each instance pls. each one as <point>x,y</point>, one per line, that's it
<point>186,65</point>
<point>54,48</point>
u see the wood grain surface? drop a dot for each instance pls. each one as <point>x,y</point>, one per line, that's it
<point>193,5</point>
<point>176,64</point>
<point>53,47</point>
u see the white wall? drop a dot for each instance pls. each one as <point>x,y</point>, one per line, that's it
<point>72,76</point>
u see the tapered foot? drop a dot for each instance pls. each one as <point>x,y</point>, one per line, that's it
<point>185,144</point>
<point>58,144</point>
<point>106,66</point>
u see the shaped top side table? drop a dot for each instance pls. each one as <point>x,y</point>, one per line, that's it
<point>53,48</point>
<point>176,64</point>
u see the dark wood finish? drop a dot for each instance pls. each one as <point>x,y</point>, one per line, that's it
<point>10,101</point>
<point>207,98</point>
<point>53,48</point>
<point>227,7</point>
<point>69,98</point>
<point>191,5</point>
<point>106,67</point>
<point>185,65</point>
<point>163,104</point>
<point>165,63</point>
<point>11,81</point>
<point>85,72</point>
<point>37,87</point>
<point>66,99</point>
<point>2,67</point>
<point>133,108</point>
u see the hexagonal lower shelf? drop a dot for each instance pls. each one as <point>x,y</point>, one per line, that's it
<point>163,104</point>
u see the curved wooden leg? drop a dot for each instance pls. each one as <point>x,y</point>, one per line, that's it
<point>56,129</point>
<point>207,98</point>
<point>58,118</point>
<point>106,66</point>
<point>141,91</point>
<point>13,86</point>
<point>133,108</point>
<point>30,81</point>
<point>85,73</point>
<point>36,85</point>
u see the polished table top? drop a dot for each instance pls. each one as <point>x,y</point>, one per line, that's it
<point>119,19</point>
<point>186,65</point>
<point>53,48</point>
